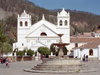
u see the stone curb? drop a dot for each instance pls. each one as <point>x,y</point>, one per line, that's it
<point>61,72</point>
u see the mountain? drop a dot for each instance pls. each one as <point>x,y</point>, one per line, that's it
<point>80,21</point>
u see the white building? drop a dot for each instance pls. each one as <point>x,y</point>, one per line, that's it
<point>42,33</point>
<point>86,46</point>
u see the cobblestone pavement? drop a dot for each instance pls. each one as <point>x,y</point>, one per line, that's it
<point>17,68</point>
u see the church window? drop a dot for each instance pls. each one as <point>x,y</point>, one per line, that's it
<point>22,44</point>
<point>43,34</point>
<point>65,22</point>
<point>21,23</point>
<point>60,22</point>
<point>91,52</point>
<point>25,23</point>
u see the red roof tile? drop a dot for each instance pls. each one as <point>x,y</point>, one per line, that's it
<point>83,39</point>
<point>93,44</point>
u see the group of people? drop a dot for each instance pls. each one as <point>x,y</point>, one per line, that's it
<point>3,60</point>
<point>85,57</point>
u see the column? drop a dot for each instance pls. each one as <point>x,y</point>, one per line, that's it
<point>99,52</point>
<point>75,52</point>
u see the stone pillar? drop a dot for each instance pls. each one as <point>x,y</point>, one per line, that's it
<point>25,54</point>
<point>15,57</point>
<point>38,57</point>
<point>81,54</point>
<point>78,53</point>
<point>99,52</point>
<point>51,53</point>
<point>61,53</point>
<point>75,52</point>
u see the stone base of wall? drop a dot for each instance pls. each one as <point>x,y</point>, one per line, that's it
<point>20,58</point>
<point>93,58</point>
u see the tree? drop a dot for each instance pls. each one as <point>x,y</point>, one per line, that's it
<point>7,48</point>
<point>65,50</point>
<point>2,36</point>
<point>20,53</point>
<point>10,40</point>
<point>53,49</point>
<point>44,50</point>
<point>30,52</point>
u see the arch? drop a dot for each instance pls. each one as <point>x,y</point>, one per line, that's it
<point>21,24</point>
<point>65,22</point>
<point>25,23</point>
<point>43,34</point>
<point>91,52</point>
<point>60,22</point>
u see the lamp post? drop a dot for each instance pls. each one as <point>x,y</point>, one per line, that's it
<point>77,46</point>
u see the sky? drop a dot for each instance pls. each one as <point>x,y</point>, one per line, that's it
<point>92,6</point>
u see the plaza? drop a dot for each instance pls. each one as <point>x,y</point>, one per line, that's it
<point>16,68</point>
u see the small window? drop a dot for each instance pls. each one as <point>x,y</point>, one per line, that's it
<point>91,52</point>
<point>25,23</point>
<point>60,22</point>
<point>65,22</point>
<point>43,34</point>
<point>21,23</point>
<point>22,44</point>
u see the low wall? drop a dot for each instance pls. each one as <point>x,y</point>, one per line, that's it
<point>92,58</point>
<point>70,61</point>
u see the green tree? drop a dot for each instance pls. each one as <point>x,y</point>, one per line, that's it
<point>30,52</point>
<point>2,36</point>
<point>65,50</point>
<point>20,53</point>
<point>53,49</point>
<point>44,50</point>
<point>7,48</point>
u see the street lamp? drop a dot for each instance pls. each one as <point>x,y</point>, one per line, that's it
<point>76,46</point>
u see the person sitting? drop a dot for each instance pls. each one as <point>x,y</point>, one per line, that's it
<point>76,57</point>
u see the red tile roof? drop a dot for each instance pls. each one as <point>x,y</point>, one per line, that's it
<point>83,39</point>
<point>93,44</point>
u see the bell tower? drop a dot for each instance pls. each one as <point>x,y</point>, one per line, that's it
<point>24,20</point>
<point>63,19</point>
<point>23,26</point>
<point>63,25</point>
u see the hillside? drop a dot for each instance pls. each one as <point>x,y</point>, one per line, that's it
<point>9,9</point>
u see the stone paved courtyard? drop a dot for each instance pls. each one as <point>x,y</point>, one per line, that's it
<point>17,68</point>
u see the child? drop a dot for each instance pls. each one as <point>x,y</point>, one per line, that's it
<point>6,63</point>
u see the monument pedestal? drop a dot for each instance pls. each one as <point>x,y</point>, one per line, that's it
<point>61,61</point>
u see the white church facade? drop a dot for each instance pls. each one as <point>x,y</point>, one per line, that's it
<point>42,33</point>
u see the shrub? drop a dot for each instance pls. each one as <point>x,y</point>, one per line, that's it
<point>30,52</point>
<point>20,53</point>
<point>44,50</point>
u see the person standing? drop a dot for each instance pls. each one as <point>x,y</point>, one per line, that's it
<point>86,57</point>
